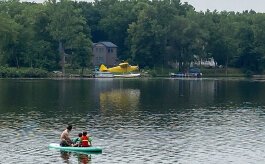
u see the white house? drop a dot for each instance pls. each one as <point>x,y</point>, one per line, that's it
<point>209,62</point>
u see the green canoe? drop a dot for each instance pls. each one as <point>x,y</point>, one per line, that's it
<point>91,149</point>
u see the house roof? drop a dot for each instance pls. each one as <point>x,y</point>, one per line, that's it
<point>107,44</point>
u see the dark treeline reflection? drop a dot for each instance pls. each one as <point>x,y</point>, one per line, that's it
<point>126,94</point>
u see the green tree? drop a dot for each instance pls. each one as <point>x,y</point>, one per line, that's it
<point>9,33</point>
<point>250,55</point>
<point>115,23</point>
<point>184,41</point>
<point>92,14</point>
<point>147,37</point>
<point>82,52</point>
<point>259,35</point>
<point>66,24</point>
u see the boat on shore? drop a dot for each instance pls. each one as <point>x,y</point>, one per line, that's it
<point>193,72</point>
<point>185,75</point>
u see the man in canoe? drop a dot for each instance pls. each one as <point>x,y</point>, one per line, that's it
<point>65,139</point>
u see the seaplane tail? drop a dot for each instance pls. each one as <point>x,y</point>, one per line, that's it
<point>103,68</point>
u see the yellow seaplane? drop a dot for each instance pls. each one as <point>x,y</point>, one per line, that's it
<point>123,70</point>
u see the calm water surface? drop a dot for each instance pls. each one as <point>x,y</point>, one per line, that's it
<point>186,121</point>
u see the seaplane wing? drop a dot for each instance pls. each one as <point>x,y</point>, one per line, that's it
<point>124,65</point>
<point>121,68</point>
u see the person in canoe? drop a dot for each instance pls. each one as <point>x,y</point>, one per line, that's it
<point>85,140</point>
<point>65,139</point>
<point>77,141</point>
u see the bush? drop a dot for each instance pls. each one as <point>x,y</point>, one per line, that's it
<point>249,73</point>
<point>11,72</point>
<point>153,73</point>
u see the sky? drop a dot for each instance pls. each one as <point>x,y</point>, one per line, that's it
<point>228,5</point>
<point>219,5</point>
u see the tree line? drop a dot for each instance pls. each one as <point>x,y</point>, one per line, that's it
<point>148,33</point>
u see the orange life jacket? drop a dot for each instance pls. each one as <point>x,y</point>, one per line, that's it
<point>84,141</point>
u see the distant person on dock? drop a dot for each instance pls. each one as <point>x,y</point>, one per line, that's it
<point>65,139</point>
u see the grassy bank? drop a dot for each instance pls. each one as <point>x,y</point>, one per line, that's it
<point>222,72</point>
<point>10,72</point>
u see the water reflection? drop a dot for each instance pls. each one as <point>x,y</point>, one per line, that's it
<point>162,94</point>
<point>123,99</point>
<point>84,158</point>
<point>81,158</point>
<point>192,90</point>
<point>65,156</point>
<point>135,121</point>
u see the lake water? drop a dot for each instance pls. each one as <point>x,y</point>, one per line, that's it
<point>183,121</point>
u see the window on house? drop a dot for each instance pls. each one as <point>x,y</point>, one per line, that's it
<point>101,59</point>
<point>110,50</point>
<point>97,60</point>
<point>101,50</point>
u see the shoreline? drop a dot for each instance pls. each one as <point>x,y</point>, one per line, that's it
<point>255,77</point>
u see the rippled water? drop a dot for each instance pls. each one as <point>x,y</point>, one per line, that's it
<point>134,121</point>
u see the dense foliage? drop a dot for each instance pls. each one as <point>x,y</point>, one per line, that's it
<point>53,35</point>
